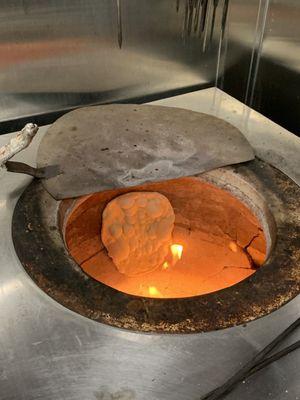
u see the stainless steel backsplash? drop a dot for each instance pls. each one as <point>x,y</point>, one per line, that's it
<point>55,55</point>
<point>267,76</point>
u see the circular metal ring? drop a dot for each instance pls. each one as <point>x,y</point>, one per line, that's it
<point>40,247</point>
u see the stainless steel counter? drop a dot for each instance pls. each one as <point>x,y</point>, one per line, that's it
<point>48,352</point>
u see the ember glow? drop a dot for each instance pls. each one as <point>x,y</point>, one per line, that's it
<point>153,291</point>
<point>174,257</point>
<point>233,247</point>
<point>176,250</point>
<point>165,265</point>
<point>197,258</point>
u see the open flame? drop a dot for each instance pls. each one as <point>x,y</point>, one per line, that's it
<point>153,291</point>
<point>176,250</point>
<point>165,265</point>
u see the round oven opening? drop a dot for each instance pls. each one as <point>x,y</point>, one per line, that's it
<point>253,195</point>
<point>219,238</point>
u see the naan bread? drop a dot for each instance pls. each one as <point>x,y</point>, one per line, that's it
<point>137,231</point>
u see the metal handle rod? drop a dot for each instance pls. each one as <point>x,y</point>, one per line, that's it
<point>256,360</point>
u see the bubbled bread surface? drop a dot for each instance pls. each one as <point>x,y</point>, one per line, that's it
<point>137,231</point>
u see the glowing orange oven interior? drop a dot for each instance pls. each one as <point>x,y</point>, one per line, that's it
<point>216,241</point>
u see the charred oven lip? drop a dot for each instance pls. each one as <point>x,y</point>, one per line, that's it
<point>41,250</point>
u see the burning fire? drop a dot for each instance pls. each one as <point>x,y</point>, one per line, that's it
<point>176,250</point>
<point>165,265</point>
<point>153,291</point>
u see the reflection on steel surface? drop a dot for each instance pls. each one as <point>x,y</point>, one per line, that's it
<point>62,54</point>
<point>266,34</point>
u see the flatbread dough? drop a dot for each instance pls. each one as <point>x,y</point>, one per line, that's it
<point>137,231</point>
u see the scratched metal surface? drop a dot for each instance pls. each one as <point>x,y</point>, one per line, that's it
<point>270,141</point>
<point>60,54</point>
<point>267,77</point>
<point>120,145</point>
<point>50,353</point>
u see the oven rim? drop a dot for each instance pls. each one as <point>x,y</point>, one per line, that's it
<point>273,285</point>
